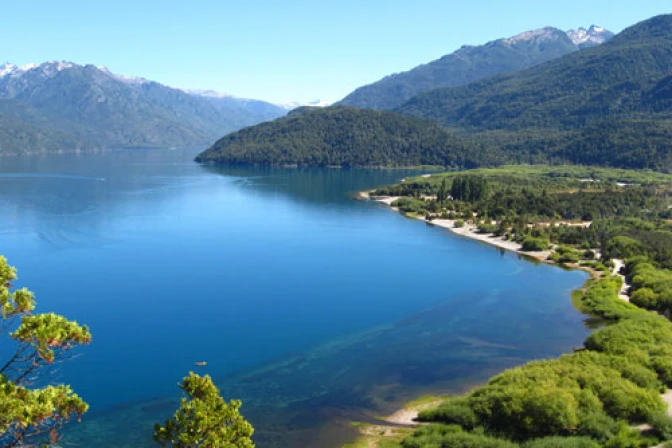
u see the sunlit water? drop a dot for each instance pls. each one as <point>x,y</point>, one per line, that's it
<point>311,307</point>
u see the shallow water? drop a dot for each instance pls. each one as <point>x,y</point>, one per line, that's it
<point>311,307</point>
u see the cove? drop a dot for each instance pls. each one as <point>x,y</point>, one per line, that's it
<point>311,307</point>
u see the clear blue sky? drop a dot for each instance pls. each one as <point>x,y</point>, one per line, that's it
<point>282,50</point>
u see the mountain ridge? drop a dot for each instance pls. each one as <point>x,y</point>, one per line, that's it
<point>608,105</point>
<point>471,63</point>
<point>567,102</point>
<point>97,109</point>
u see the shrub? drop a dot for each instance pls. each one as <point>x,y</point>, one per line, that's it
<point>662,426</point>
<point>487,227</point>
<point>455,412</point>
<point>588,255</point>
<point>532,244</point>
<point>432,437</point>
<point>562,442</point>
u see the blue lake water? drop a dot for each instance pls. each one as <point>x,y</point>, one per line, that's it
<point>311,307</point>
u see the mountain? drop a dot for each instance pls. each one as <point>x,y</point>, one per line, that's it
<point>607,104</point>
<point>295,104</point>
<point>342,136</point>
<point>591,37</point>
<point>66,106</point>
<point>248,109</point>
<point>473,63</point>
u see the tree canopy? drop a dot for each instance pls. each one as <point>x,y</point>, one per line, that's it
<point>35,344</point>
<point>342,136</point>
<point>204,419</point>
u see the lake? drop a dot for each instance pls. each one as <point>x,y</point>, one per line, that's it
<point>313,308</point>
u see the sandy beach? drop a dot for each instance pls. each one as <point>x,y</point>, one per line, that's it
<point>470,231</point>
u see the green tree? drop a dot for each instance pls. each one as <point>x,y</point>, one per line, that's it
<point>469,188</point>
<point>37,342</point>
<point>204,419</point>
<point>442,194</point>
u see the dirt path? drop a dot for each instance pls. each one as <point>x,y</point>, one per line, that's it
<point>623,293</point>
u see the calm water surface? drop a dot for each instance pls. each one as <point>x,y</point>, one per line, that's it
<point>312,308</point>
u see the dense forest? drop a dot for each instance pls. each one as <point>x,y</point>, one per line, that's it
<point>607,105</point>
<point>343,136</point>
<point>582,217</point>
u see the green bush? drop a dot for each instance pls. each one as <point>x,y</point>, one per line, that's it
<point>628,438</point>
<point>487,227</point>
<point>562,442</point>
<point>411,205</point>
<point>431,436</point>
<point>532,244</point>
<point>645,298</point>
<point>662,426</point>
<point>456,412</point>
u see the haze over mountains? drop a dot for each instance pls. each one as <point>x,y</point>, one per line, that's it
<point>608,105</point>
<point>473,63</point>
<point>65,106</point>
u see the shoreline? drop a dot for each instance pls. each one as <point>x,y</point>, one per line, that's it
<point>469,231</point>
<point>402,422</point>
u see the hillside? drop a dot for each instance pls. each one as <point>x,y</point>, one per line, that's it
<point>604,105</point>
<point>342,136</point>
<point>473,63</point>
<point>63,106</point>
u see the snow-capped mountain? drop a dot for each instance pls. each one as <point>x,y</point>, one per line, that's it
<point>295,104</point>
<point>468,64</point>
<point>14,77</point>
<point>122,78</point>
<point>472,63</point>
<point>64,106</point>
<point>7,69</point>
<point>207,93</point>
<point>580,37</point>
<point>47,68</point>
<point>290,105</point>
<point>547,34</point>
<point>590,37</point>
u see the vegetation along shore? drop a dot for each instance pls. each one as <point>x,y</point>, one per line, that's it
<point>612,392</point>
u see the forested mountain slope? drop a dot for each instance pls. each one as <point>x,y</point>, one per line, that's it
<point>606,105</point>
<point>343,136</point>
<point>473,63</point>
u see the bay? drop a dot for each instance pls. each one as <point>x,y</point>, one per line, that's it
<point>313,308</point>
